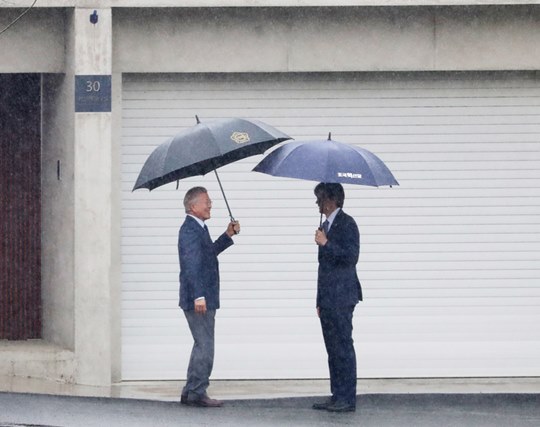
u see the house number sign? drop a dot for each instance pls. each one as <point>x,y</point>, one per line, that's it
<point>93,94</point>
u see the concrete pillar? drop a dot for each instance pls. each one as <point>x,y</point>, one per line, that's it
<point>92,61</point>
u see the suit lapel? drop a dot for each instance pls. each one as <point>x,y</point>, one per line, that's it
<point>337,223</point>
<point>196,226</point>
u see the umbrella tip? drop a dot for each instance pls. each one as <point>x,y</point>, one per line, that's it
<point>329,136</point>
<point>197,118</point>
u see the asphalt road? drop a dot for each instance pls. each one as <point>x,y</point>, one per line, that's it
<point>380,410</point>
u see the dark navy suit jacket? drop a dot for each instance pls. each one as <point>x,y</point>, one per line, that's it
<point>338,284</point>
<point>199,266</point>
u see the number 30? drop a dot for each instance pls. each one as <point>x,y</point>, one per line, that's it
<point>93,86</point>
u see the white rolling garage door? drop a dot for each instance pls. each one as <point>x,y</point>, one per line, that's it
<point>449,259</point>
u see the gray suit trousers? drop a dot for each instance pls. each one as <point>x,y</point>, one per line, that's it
<point>202,354</point>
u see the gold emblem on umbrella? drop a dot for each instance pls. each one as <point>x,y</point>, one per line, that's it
<point>240,137</point>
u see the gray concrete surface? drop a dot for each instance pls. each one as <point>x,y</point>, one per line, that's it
<point>379,410</point>
<point>273,389</point>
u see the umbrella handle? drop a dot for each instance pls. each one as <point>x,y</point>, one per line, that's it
<point>224,197</point>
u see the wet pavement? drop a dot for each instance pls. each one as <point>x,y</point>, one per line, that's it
<point>418,410</point>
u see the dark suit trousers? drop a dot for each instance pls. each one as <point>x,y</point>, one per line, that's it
<point>201,361</point>
<point>337,329</point>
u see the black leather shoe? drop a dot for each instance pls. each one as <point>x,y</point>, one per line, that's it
<point>321,406</point>
<point>341,407</point>
<point>183,399</point>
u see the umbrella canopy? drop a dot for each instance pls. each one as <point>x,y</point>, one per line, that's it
<point>204,148</point>
<point>327,161</point>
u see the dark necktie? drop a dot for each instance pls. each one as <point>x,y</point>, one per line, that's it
<point>325,226</point>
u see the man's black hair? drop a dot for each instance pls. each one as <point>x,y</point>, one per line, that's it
<point>330,191</point>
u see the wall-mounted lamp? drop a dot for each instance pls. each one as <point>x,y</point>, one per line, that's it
<point>94,17</point>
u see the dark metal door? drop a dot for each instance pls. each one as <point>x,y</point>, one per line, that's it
<point>20,206</point>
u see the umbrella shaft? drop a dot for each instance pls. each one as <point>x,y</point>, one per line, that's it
<point>224,197</point>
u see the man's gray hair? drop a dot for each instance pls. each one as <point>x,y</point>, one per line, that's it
<point>191,197</point>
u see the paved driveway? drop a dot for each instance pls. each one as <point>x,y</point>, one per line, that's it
<point>418,410</point>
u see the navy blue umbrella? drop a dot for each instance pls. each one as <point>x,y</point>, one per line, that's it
<point>204,148</point>
<point>327,161</point>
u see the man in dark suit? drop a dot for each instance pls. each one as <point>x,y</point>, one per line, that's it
<point>199,291</point>
<point>338,292</point>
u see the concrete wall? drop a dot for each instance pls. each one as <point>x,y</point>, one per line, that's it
<point>57,212</point>
<point>294,39</point>
<point>35,44</point>
<point>38,44</point>
<point>57,181</point>
<point>92,207</point>
<point>76,235</point>
<point>326,39</point>
<point>116,226</point>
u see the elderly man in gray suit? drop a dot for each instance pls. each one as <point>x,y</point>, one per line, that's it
<point>199,291</point>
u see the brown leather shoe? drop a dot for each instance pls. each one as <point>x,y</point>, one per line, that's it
<point>206,402</point>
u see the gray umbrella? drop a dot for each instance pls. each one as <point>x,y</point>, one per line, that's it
<point>204,148</point>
